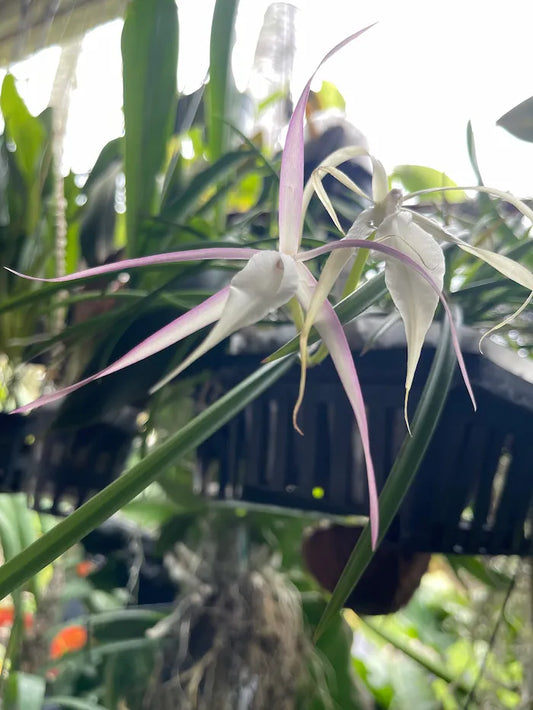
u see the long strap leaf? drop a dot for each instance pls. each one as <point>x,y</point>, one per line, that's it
<point>20,568</point>
<point>150,60</point>
<point>402,473</point>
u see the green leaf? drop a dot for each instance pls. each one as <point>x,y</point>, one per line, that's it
<point>221,92</point>
<point>418,177</point>
<point>402,473</point>
<point>329,97</point>
<point>519,120</point>
<point>181,206</point>
<point>150,58</point>
<point>26,131</point>
<point>73,703</point>
<point>24,691</point>
<point>47,548</point>
<point>471,145</point>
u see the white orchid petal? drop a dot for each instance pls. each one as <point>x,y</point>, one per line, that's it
<point>507,320</point>
<point>380,181</point>
<point>269,280</point>
<point>407,260</point>
<point>331,331</point>
<point>197,318</point>
<point>508,267</point>
<point>501,194</point>
<point>332,161</point>
<point>323,196</point>
<point>414,298</point>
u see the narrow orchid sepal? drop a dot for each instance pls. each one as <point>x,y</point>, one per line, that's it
<point>292,166</point>
<point>332,333</point>
<point>198,317</point>
<point>231,253</point>
<point>390,251</point>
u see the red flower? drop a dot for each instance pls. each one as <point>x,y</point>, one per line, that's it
<point>71,638</point>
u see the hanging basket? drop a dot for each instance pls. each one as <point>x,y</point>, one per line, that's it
<point>473,492</point>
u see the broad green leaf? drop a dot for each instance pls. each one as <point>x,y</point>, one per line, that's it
<point>334,648</point>
<point>221,91</point>
<point>328,97</point>
<point>29,138</point>
<point>47,548</point>
<point>418,177</point>
<point>519,120</point>
<point>402,473</point>
<point>24,691</point>
<point>26,131</point>
<point>150,58</point>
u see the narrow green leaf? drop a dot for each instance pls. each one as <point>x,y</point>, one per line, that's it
<point>73,703</point>
<point>180,206</point>
<point>402,473</point>
<point>221,91</point>
<point>471,145</point>
<point>47,548</point>
<point>427,659</point>
<point>25,691</point>
<point>150,59</point>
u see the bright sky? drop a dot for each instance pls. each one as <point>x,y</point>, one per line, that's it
<point>411,83</point>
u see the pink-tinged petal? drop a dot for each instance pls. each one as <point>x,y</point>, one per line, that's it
<point>269,280</point>
<point>332,333</point>
<point>232,253</point>
<point>202,315</point>
<point>390,251</point>
<point>292,167</point>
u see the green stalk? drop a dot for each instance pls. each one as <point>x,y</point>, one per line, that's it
<point>402,473</point>
<point>46,549</point>
<point>435,667</point>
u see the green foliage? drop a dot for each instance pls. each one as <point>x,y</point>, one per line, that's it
<point>150,56</point>
<point>417,177</point>
<point>221,88</point>
<point>402,473</point>
<point>24,692</point>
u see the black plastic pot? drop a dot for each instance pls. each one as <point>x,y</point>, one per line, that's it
<point>473,492</point>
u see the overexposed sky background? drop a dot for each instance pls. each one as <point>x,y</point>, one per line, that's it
<point>411,83</point>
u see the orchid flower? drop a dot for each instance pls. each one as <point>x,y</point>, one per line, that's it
<point>270,279</point>
<point>388,222</point>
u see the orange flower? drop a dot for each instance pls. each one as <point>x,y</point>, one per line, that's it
<point>7,616</point>
<point>71,638</point>
<point>85,567</point>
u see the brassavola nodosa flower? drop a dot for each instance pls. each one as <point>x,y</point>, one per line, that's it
<point>389,223</point>
<point>270,279</point>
